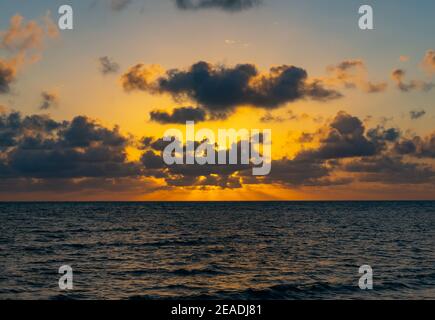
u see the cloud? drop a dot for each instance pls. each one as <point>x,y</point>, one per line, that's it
<point>225,5</point>
<point>290,116</point>
<point>22,36</point>
<point>398,76</point>
<point>429,61</point>
<point>404,58</point>
<point>416,114</point>
<point>306,137</point>
<point>49,100</point>
<point>419,147</point>
<point>375,155</point>
<point>107,66</point>
<point>179,115</point>
<point>22,41</point>
<point>285,172</point>
<point>7,75</point>
<point>391,170</point>
<point>346,137</point>
<point>140,77</point>
<point>116,6</point>
<point>353,74</point>
<point>119,5</point>
<point>39,154</point>
<point>208,175</point>
<point>37,147</point>
<point>303,172</point>
<point>268,118</point>
<point>218,88</point>
<point>107,189</point>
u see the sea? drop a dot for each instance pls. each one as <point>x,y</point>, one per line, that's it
<point>218,250</point>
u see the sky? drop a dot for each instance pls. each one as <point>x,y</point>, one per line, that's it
<point>83,111</point>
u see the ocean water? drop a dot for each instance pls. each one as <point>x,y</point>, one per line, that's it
<point>253,250</point>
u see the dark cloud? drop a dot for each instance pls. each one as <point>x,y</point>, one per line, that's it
<point>391,170</point>
<point>107,189</point>
<point>315,90</point>
<point>114,5</point>
<point>380,136</point>
<point>7,76</point>
<point>154,144</point>
<point>303,172</point>
<point>152,160</point>
<point>194,175</point>
<point>268,118</point>
<point>49,100</point>
<point>14,128</point>
<point>426,147</point>
<point>306,137</point>
<point>38,153</point>
<point>296,172</point>
<point>226,5</point>
<point>417,114</point>
<point>374,155</point>
<point>420,147</point>
<point>346,137</point>
<point>398,76</point>
<point>289,116</point>
<point>83,132</point>
<point>406,146</point>
<point>179,115</point>
<point>108,66</point>
<point>221,89</point>
<point>119,5</point>
<point>41,148</point>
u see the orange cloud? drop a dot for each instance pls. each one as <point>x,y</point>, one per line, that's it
<point>398,76</point>
<point>140,77</point>
<point>353,74</point>
<point>429,61</point>
<point>404,58</point>
<point>23,41</point>
<point>22,36</point>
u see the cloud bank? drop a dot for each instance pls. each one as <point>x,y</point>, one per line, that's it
<point>39,154</point>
